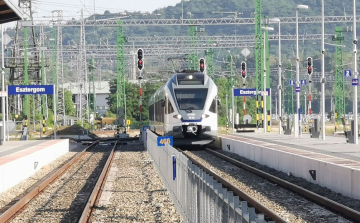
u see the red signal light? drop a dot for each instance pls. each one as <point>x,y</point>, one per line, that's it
<point>140,64</point>
<point>202,65</point>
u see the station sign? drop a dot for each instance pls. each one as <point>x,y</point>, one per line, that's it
<point>355,82</point>
<point>303,82</point>
<point>248,92</point>
<point>297,89</point>
<point>145,127</point>
<point>162,141</point>
<point>30,89</point>
<point>292,82</point>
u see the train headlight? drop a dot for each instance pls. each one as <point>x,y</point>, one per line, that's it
<point>190,77</point>
<point>178,116</point>
<point>204,116</point>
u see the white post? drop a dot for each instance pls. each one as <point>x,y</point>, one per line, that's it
<point>279,91</point>
<point>3,83</point>
<point>298,112</point>
<point>305,106</point>
<point>265,111</point>
<point>276,106</point>
<point>54,104</point>
<point>297,123</point>
<point>8,112</point>
<point>233,109</point>
<point>323,71</point>
<point>355,107</point>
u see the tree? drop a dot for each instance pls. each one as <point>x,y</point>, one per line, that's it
<point>69,104</point>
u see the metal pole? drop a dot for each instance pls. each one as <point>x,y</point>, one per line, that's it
<point>276,107</point>
<point>3,82</point>
<point>323,70</point>
<point>7,116</point>
<point>265,111</point>
<point>80,106</point>
<point>305,106</point>
<point>279,94</point>
<point>233,109</point>
<point>140,98</point>
<point>355,107</point>
<point>310,98</point>
<point>297,79</point>
<point>227,113</point>
<point>33,111</point>
<point>55,126</point>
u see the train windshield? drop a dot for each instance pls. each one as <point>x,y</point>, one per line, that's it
<point>191,99</point>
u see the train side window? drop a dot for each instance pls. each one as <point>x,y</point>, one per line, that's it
<point>213,106</point>
<point>151,112</point>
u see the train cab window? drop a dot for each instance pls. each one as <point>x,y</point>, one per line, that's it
<point>170,108</point>
<point>213,106</point>
<point>191,99</point>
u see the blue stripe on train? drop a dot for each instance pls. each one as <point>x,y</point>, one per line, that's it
<point>199,120</point>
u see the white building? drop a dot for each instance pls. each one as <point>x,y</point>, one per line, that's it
<point>102,90</point>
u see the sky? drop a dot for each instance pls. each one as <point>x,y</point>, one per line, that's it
<point>71,8</point>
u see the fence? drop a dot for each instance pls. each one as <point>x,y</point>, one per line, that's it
<point>197,195</point>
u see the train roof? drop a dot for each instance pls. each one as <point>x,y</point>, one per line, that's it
<point>185,78</point>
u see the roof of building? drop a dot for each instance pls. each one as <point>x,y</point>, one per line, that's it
<point>101,87</point>
<point>9,12</point>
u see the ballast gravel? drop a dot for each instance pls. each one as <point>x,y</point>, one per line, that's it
<point>286,204</point>
<point>65,198</point>
<point>134,191</point>
<point>13,194</point>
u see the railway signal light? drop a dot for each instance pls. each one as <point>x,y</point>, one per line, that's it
<point>140,54</point>
<point>309,65</point>
<point>243,69</point>
<point>202,64</point>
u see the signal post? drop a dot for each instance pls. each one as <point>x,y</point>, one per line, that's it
<point>310,72</point>
<point>140,54</point>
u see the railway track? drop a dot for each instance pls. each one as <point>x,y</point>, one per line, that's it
<point>69,194</point>
<point>278,199</point>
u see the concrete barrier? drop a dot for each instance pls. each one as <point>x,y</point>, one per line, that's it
<point>339,178</point>
<point>21,165</point>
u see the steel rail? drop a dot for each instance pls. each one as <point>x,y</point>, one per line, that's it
<point>13,210</point>
<point>323,201</point>
<point>86,215</point>
<point>256,204</point>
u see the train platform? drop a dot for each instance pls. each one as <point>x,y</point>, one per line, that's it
<point>21,159</point>
<point>331,163</point>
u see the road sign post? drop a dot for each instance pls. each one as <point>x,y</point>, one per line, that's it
<point>347,73</point>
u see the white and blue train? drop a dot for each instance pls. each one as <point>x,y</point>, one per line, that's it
<point>185,107</point>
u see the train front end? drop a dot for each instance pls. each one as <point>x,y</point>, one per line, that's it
<point>195,97</point>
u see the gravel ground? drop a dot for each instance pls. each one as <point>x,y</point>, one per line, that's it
<point>323,191</point>
<point>12,195</point>
<point>134,191</point>
<point>63,200</point>
<point>286,204</point>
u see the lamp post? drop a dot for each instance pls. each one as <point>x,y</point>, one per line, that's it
<point>323,71</point>
<point>297,119</point>
<point>276,20</point>
<point>355,107</point>
<point>265,92</point>
<point>3,84</point>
